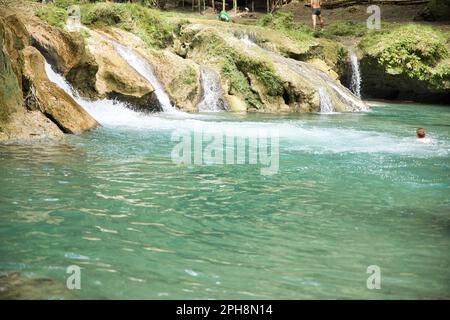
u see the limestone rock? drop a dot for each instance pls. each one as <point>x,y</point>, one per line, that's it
<point>67,52</point>
<point>179,77</point>
<point>11,99</point>
<point>266,80</point>
<point>117,79</point>
<point>51,100</point>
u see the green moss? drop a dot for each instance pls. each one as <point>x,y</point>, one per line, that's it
<point>436,10</point>
<point>85,33</point>
<point>142,21</point>
<point>53,15</point>
<point>345,28</point>
<point>64,4</point>
<point>190,76</point>
<point>237,66</point>
<point>421,52</point>
<point>210,43</point>
<point>284,23</point>
<point>263,72</point>
<point>239,84</point>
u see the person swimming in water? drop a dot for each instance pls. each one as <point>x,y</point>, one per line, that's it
<point>316,13</point>
<point>421,135</point>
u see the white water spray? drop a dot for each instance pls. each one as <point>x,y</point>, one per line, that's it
<point>146,70</point>
<point>326,105</point>
<point>308,138</point>
<point>355,84</point>
<point>247,39</point>
<point>212,92</point>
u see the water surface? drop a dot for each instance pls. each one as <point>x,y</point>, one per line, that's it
<point>352,190</point>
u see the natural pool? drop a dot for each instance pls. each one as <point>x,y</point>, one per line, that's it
<point>352,190</point>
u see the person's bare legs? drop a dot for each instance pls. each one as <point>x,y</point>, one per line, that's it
<point>321,22</point>
<point>314,20</point>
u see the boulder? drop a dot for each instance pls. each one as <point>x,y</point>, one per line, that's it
<point>28,125</point>
<point>11,99</point>
<point>67,52</point>
<point>117,79</point>
<point>180,77</point>
<point>47,97</point>
<point>16,122</point>
<point>407,62</point>
<point>18,40</point>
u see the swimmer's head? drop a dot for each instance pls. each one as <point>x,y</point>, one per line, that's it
<point>420,133</point>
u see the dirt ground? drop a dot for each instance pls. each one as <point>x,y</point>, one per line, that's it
<point>356,13</point>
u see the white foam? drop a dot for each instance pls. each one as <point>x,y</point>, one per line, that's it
<point>355,84</point>
<point>299,134</point>
<point>146,70</point>
<point>212,92</point>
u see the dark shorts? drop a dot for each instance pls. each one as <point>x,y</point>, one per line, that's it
<point>316,11</point>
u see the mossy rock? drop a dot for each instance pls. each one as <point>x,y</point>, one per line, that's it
<point>408,62</point>
<point>147,23</point>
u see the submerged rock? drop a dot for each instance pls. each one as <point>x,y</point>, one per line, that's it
<point>18,285</point>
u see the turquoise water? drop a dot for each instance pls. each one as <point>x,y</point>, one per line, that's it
<point>352,190</point>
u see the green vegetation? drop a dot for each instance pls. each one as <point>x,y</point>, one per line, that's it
<point>345,28</point>
<point>237,65</point>
<point>421,52</point>
<point>239,84</point>
<point>145,22</point>
<point>284,23</point>
<point>53,15</point>
<point>436,10</point>
<point>85,33</point>
<point>190,76</point>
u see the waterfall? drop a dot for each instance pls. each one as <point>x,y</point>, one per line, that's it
<point>355,84</point>
<point>60,82</point>
<point>325,101</point>
<point>105,111</point>
<point>317,78</point>
<point>212,92</point>
<point>247,39</point>
<point>146,70</point>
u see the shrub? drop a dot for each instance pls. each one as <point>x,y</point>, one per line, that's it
<point>345,28</point>
<point>143,21</point>
<point>413,49</point>
<point>53,15</point>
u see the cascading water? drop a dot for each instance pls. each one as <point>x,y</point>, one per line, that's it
<point>355,84</point>
<point>105,111</point>
<point>146,70</point>
<point>315,139</point>
<point>212,92</point>
<point>247,39</point>
<point>318,78</point>
<point>326,105</point>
